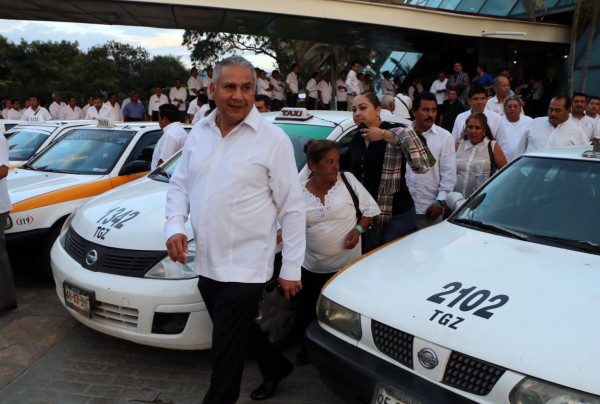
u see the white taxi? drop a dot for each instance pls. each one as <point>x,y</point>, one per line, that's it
<point>498,304</point>
<point>7,124</point>
<point>86,162</point>
<point>111,267</point>
<point>26,139</point>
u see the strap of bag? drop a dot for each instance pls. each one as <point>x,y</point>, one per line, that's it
<point>493,167</point>
<point>406,106</point>
<point>353,195</point>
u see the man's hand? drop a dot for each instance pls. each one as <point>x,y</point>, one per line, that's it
<point>290,288</point>
<point>434,211</point>
<point>177,247</point>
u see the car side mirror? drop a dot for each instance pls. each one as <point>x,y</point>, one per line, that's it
<point>134,167</point>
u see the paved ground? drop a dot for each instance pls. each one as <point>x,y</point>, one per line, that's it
<point>48,357</point>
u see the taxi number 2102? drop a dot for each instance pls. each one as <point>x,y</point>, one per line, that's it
<point>470,299</point>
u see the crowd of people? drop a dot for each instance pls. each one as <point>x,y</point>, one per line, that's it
<point>238,182</point>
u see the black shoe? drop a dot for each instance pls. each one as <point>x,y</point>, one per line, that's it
<point>11,305</point>
<point>301,359</point>
<point>267,388</point>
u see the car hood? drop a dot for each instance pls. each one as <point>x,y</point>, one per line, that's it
<point>24,184</point>
<point>548,328</point>
<point>141,229</point>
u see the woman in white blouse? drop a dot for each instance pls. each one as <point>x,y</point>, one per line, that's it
<point>475,155</point>
<point>332,233</point>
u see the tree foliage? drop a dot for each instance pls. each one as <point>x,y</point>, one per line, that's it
<point>43,67</point>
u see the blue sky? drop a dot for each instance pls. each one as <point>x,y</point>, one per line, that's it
<point>155,41</point>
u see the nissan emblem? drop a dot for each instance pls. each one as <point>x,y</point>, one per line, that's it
<point>91,257</point>
<point>428,358</point>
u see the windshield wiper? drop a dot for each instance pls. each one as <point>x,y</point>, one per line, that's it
<point>493,228</point>
<point>586,246</point>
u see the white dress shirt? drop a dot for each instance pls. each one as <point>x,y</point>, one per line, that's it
<point>586,123</point>
<point>352,84</point>
<point>178,94</point>
<point>39,115</point>
<point>193,83</point>
<point>200,113</point>
<point>540,134</point>
<point>71,114</point>
<point>278,89</point>
<point>292,81</point>
<point>235,189</point>
<point>439,85</point>
<point>105,112</point>
<point>205,83</point>
<point>326,91</point>
<point>311,86</point>
<point>14,114</point>
<point>115,111</point>
<point>262,86</point>
<point>328,225</point>
<point>514,133</point>
<point>341,95</point>
<point>435,184</point>
<point>156,102</point>
<point>494,105</point>
<point>494,122</point>
<point>402,105</point>
<point>55,109</point>
<point>169,143</point>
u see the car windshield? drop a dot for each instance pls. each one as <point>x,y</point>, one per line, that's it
<point>544,200</point>
<point>300,135</point>
<point>24,143</point>
<point>165,171</point>
<point>83,151</point>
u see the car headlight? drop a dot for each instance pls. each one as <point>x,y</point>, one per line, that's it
<point>169,269</point>
<point>65,227</point>
<point>339,317</point>
<point>534,391</point>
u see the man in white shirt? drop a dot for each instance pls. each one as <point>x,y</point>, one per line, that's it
<point>312,94</point>
<point>578,107</point>
<point>205,83</point>
<point>593,106</point>
<point>7,107</point>
<point>325,92</point>
<point>429,190</point>
<point>278,91</point>
<point>262,103</point>
<point>263,86</point>
<point>15,112</point>
<point>502,89</point>
<point>352,84</point>
<point>438,88</point>
<point>36,113</point>
<point>515,123</point>
<point>198,108</point>
<point>99,110</point>
<point>115,108</point>
<point>341,92</point>
<point>57,105</point>
<point>554,130</point>
<point>90,104</point>
<point>193,84</point>
<point>387,105</point>
<point>236,180</point>
<point>178,95</point>
<point>387,86</point>
<point>8,296</point>
<point>477,98</point>
<point>173,136</point>
<point>292,86</point>
<point>156,100</point>
<point>71,111</point>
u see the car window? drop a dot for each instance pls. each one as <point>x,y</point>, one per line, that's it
<point>83,151</point>
<point>165,171</point>
<point>144,148</point>
<point>300,135</point>
<point>23,144</point>
<point>541,198</point>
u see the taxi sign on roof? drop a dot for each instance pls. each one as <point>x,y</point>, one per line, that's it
<point>295,114</point>
<point>106,123</point>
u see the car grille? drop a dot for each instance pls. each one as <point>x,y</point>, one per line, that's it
<point>110,260</point>
<point>462,371</point>
<point>122,317</point>
<point>394,343</point>
<point>470,374</point>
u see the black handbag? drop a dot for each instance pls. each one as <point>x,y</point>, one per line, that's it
<point>371,237</point>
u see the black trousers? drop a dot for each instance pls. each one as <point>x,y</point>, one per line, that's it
<point>311,103</point>
<point>233,308</point>
<point>341,105</point>
<point>292,100</point>
<point>276,105</point>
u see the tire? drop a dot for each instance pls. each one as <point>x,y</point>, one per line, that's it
<point>48,242</point>
<point>276,315</point>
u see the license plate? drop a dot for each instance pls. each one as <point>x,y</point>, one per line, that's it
<point>389,395</point>
<point>79,299</point>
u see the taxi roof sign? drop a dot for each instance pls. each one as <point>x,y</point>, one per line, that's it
<point>293,114</point>
<point>106,123</point>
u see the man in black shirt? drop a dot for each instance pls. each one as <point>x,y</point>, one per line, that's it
<point>451,108</point>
